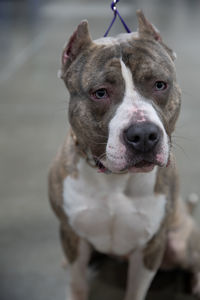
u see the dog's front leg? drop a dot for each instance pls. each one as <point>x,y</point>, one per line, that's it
<point>78,288</point>
<point>139,277</point>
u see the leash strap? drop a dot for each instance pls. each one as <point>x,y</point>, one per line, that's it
<point>116,13</point>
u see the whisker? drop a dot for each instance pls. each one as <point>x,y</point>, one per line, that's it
<point>100,135</point>
<point>177,146</point>
<point>101,156</point>
<point>96,143</point>
<point>182,137</point>
<point>184,92</point>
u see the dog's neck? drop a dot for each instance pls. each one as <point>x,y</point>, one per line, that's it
<point>128,183</point>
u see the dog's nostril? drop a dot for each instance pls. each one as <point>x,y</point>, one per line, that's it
<point>136,139</point>
<point>153,137</point>
<point>133,134</point>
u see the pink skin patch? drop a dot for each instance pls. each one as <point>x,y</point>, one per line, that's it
<point>160,158</point>
<point>101,170</point>
<point>65,58</point>
<point>68,50</point>
<point>140,115</point>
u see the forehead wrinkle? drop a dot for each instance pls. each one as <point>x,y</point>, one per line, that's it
<point>102,58</point>
<point>96,74</point>
<point>141,53</point>
<point>104,54</point>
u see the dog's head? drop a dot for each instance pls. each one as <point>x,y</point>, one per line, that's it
<point>124,99</point>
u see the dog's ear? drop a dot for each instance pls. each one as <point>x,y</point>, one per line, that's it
<point>79,40</point>
<point>146,29</point>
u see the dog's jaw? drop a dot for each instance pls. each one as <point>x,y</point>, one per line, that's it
<point>134,108</point>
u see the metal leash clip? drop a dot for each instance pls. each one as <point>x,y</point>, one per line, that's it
<point>113,5</point>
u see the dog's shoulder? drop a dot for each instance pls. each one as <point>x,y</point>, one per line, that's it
<point>64,165</point>
<point>167,181</point>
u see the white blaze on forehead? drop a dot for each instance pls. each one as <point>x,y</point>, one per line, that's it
<point>128,79</point>
<point>133,104</point>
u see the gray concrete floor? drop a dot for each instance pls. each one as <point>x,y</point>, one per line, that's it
<point>33,122</point>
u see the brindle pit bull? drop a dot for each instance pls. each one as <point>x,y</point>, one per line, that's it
<point>114,184</point>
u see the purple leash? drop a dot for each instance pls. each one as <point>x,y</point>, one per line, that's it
<point>116,13</point>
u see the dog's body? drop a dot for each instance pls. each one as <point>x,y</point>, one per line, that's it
<point>123,108</point>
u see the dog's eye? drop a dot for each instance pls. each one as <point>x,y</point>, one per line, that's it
<point>160,86</point>
<point>100,94</point>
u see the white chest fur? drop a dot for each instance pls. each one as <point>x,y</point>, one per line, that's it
<point>116,213</point>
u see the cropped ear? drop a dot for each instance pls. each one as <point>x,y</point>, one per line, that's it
<point>79,40</point>
<point>146,29</point>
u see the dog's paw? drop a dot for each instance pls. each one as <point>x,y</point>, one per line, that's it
<point>175,250</point>
<point>196,285</point>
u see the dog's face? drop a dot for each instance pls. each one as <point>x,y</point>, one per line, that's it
<point>124,99</point>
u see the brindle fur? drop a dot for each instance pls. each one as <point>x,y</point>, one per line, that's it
<point>144,56</point>
<point>147,57</point>
<point>64,165</point>
<point>166,183</point>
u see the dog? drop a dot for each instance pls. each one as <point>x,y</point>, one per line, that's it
<point>114,184</point>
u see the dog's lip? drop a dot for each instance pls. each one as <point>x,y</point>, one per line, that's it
<point>101,167</point>
<point>142,166</point>
<point>146,166</point>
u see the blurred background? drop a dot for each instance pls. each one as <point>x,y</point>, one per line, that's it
<point>33,123</point>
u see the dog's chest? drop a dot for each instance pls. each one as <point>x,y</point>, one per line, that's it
<point>116,213</point>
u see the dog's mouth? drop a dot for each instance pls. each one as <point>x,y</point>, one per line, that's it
<point>101,167</point>
<point>142,166</point>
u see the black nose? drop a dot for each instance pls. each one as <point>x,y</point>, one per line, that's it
<point>143,137</point>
